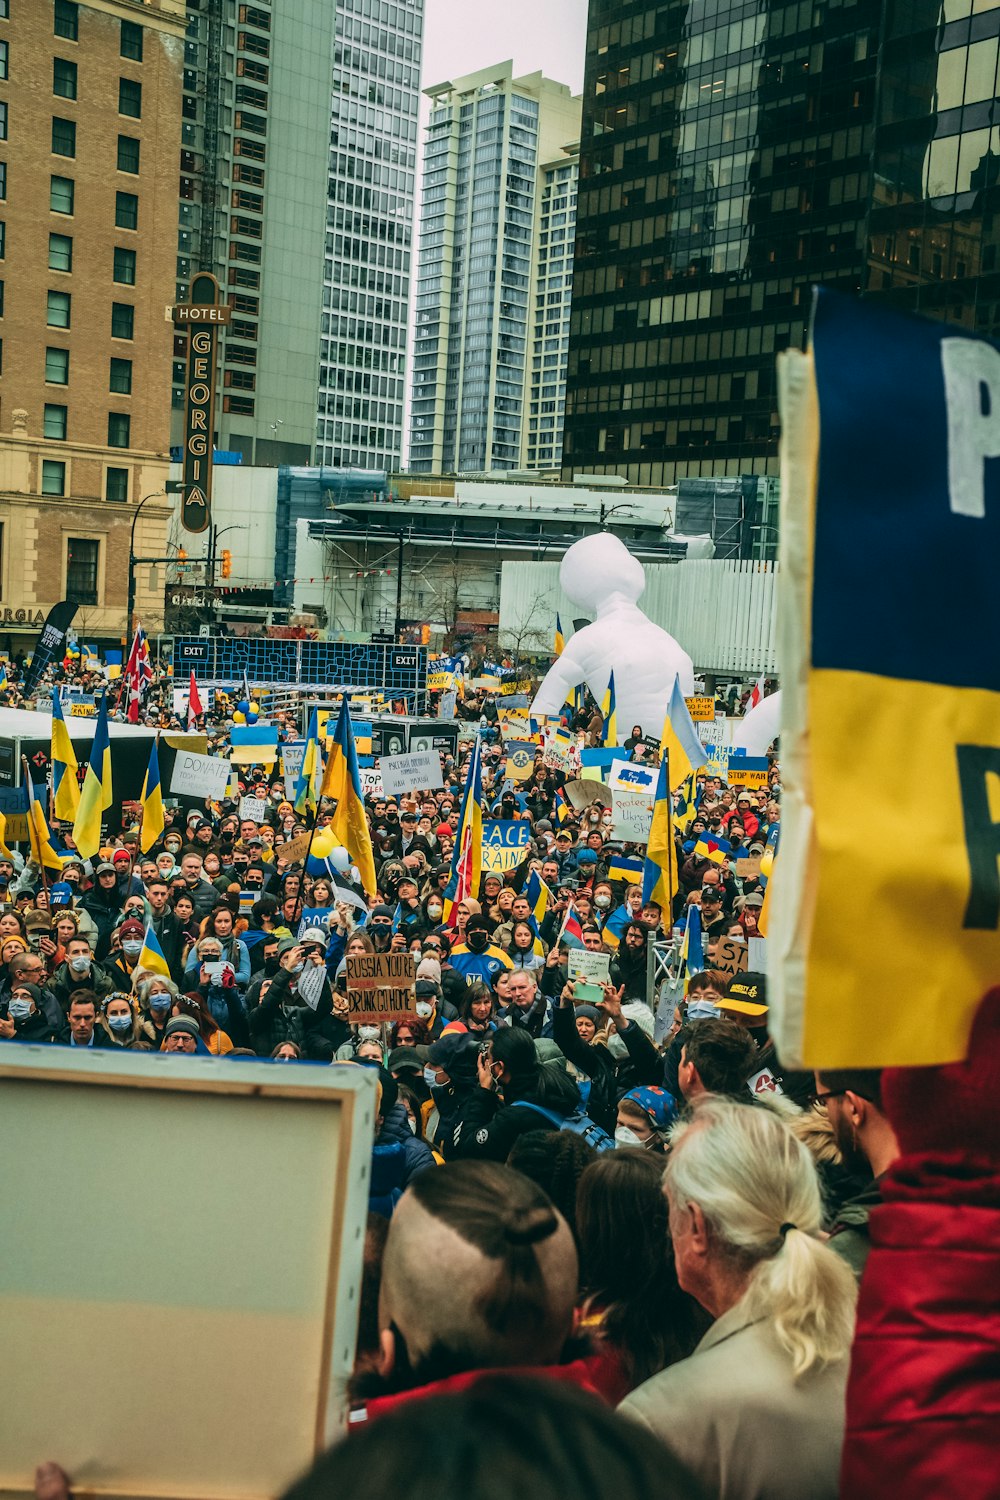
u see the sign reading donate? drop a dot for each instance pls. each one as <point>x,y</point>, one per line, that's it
<point>504,846</point>
<point>380,987</point>
<point>409,773</point>
<point>199,776</point>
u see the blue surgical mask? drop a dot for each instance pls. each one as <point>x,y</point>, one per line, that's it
<point>20,1010</point>
<point>159,1002</point>
<point>431,1078</point>
<point>296,968</point>
<point>120,1023</point>
<point>79,963</point>
<point>132,947</point>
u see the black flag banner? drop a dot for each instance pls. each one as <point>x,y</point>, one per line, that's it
<point>50,643</point>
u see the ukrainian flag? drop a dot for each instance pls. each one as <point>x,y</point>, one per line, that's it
<point>680,739</point>
<point>610,731</point>
<point>687,804</point>
<point>538,897</point>
<point>152,824</point>
<point>97,791</point>
<point>692,947</point>
<point>659,876</point>
<point>65,771</point>
<point>629,870</point>
<point>3,839</point>
<point>713,849</point>
<point>3,676</point>
<point>151,957</point>
<point>307,788</point>
<point>467,859</point>
<point>43,851</point>
<point>342,780</point>
<point>559,644</point>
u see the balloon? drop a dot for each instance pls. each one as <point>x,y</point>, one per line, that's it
<point>757,729</point>
<point>323,843</point>
<point>255,708</point>
<point>600,575</point>
<point>243,707</point>
<point>238,718</point>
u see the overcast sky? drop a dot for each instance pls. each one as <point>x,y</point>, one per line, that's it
<point>461,36</point>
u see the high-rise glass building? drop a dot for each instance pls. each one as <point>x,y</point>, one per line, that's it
<point>253,184</point>
<point>369,229</point>
<point>734,155</point>
<point>496,165</point>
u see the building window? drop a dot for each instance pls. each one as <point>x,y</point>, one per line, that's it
<point>127,210</point>
<point>67,19</point>
<point>256,150</point>
<point>64,78</point>
<point>240,251</point>
<point>250,15</point>
<point>55,422</point>
<point>124,266</point>
<point>3,179</point>
<point>57,366</point>
<point>4,51</point>
<point>247,42</point>
<point>63,137</point>
<point>129,98</point>
<point>239,405</point>
<point>4,9</point>
<point>60,252</point>
<point>122,320</point>
<point>121,376</point>
<point>82,559</point>
<point>128,154</point>
<point>239,277</point>
<point>119,424</point>
<point>3,240</point>
<point>116,485</point>
<point>131,43</point>
<point>58,311</point>
<point>54,478</point>
<point>61,190</point>
<point>241,380</point>
<point>3,121</point>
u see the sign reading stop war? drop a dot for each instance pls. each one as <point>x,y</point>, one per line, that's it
<point>380,987</point>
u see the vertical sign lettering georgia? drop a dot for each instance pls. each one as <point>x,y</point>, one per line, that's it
<point>202,317</point>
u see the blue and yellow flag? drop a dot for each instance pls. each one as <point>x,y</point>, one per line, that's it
<point>4,850</point>
<point>342,781</point>
<point>308,787</point>
<point>692,945</point>
<point>43,851</point>
<point>65,771</point>
<point>680,739</point>
<point>467,858</point>
<point>659,876</point>
<point>151,957</point>
<point>622,868</point>
<point>559,645</point>
<point>887,634</point>
<point>538,897</point>
<point>152,824</point>
<point>686,804</point>
<point>97,791</point>
<point>609,734</point>
<point>3,676</point>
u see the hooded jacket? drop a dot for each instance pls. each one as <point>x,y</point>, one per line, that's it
<point>417,1155</point>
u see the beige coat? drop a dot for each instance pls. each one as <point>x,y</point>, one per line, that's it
<point>733,1413</point>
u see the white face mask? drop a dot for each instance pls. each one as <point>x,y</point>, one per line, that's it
<point>602,901</point>
<point>424,1008</point>
<point>624,1136</point>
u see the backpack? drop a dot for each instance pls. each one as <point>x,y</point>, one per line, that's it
<point>578,1122</point>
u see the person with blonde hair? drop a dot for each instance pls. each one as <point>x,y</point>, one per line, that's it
<point>757,1411</point>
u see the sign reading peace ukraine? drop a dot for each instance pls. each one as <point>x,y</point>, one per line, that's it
<point>504,845</point>
<point>890,653</point>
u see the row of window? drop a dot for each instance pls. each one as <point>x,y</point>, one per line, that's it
<point>55,421</point>
<point>62,198</point>
<point>66,23</point>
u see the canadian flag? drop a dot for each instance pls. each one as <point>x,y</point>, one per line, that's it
<point>756,695</point>
<point>195,709</point>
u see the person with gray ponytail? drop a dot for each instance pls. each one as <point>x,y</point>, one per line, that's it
<point>757,1411</point>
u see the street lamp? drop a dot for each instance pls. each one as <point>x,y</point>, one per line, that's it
<point>132,560</point>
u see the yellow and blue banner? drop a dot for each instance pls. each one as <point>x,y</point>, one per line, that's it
<point>43,850</point>
<point>151,827</point>
<point>887,638</point>
<point>622,868</point>
<point>97,793</point>
<point>659,876</point>
<point>342,780</point>
<point>692,944</point>
<point>680,740</point>
<point>307,788</point>
<point>151,959</point>
<point>65,771</point>
<point>609,732</point>
<point>559,644</point>
<point>467,856</point>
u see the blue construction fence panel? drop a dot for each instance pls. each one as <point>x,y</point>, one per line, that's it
<point>223,660</point>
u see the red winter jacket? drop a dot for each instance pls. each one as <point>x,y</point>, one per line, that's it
<point>923,1400</point>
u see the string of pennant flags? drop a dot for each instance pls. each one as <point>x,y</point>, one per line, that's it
<point>270,583</point>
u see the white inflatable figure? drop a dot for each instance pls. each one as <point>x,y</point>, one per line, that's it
<point>600,575</point>
<point>757,730</point>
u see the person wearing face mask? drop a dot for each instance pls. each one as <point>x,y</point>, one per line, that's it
<point>644,1118</point>
<point>593,1057</point>
<point>124,1026</point>
<point>432,908</point>
<point>23,1020</point>
<point>451,1077</point>
<point>281,1016</point>
<point>80,969</point>
<point>477,959</point>
<point>122,965</point>
<point>392,1128</point>
<point>156,996</point>
<point>167,926</point>
<point>379,927</point>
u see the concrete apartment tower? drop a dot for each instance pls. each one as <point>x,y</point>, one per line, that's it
<point>254,168</point>
<point>369,233</point>
<point>499,155</point>
<point>90,118</point>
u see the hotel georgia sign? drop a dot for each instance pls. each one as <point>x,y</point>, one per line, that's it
<point>202,317</point>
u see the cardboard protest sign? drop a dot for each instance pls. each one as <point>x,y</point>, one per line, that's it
<point>253,808</point>
<point>380,987</point>
<point>633,778</point>
<point>749,868</point>
<point>504,845</point>
<point>295,849</point>
<point>515,723</point>
<point>633,815</point>
<point>419,770</point>
<point>731,956</point>
<point>701,709</point>
<point>581,794</point>
<point>746,772</point>
<point>140,1338</point>
<point>200,776</point>
<point>371,781</point>
<point>520,759</point>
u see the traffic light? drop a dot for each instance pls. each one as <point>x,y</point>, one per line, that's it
<point>227,562</point>
<point>425,635</point>
<point>181,558</point>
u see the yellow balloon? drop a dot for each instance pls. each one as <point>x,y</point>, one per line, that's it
<point>239,718</point>
<point>255,708</point>
<point>323,843</point>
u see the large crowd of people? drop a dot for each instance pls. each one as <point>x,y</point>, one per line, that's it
<point>626,1202</point>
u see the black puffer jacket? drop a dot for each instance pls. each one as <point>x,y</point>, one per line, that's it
<point>396,1131</point>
